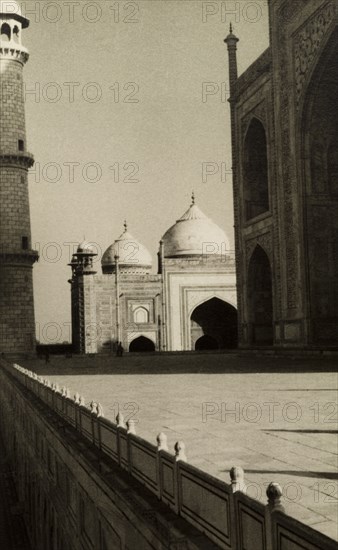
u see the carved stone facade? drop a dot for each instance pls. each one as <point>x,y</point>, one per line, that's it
<point>289,90</point>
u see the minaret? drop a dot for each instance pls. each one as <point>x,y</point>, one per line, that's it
<point>231,41</point>
<point>17,324</point>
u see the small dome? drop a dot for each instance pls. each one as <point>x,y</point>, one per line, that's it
<point>85,248</point>
<point>194,234</point>
<point>132,255</point>
<point>10,7</point>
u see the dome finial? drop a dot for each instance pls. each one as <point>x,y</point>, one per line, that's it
<point>192,198</point>
<point>231,29</point>
<point>125,225</point>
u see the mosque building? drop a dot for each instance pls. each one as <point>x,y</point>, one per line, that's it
<point>189,304</point>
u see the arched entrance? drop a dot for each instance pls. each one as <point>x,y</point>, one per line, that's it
<point>255,177</point>
<point>260,306</point>
<point>206,342</point>
<point>320,167</point>
<point>141,344</point>
<point>214,325</point>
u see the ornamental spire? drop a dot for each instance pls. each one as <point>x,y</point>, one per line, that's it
<point>192,198</point>
<point>231,42</point>
<point>125,225</point>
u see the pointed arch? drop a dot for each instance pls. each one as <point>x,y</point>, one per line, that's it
<point>215,321</point>
<point>5,32</point>
<point>16,34</point>
<point>141,344</point>
<point>319,155</point>
<point>255,171</point>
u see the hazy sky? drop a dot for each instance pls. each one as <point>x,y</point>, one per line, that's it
<point>119,127</point>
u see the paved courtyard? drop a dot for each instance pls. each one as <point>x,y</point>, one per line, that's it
<point>275,417</point>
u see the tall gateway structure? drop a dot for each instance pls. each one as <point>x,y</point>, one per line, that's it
<point>17,326</point>
<point>285,159</point>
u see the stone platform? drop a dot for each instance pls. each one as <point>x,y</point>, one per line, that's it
<point>275,417</point>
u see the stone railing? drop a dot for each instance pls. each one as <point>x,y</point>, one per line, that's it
<point>223,512</point>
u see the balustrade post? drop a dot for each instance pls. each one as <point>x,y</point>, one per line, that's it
<point>130,431</point>
<point>95,424</point>
<point>120,427</point>
<point>180,456</point>
<point>237,479</point>
<point>237,485</point>
<point>99,415</point>
<point>162,445</point>
<point>274,493</point>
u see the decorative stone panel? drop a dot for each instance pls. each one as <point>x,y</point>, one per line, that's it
<point>307,42</point>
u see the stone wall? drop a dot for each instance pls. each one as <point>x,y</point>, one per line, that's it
<point>85,483</point>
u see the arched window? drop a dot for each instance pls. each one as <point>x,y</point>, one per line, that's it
<point>16,33</point>
<point>141,315</point>
<point>5,32</point>
<point>255,173</point>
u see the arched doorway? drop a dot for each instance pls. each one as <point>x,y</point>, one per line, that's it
<point>214,323</point>
<point>206,342</point>
<point>141,344</point>
<point>255,177</point>
<point>260,306</point>
<point>320,167</point>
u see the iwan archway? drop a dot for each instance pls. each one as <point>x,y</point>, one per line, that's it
<point>320,191</point>
<point>213,325</point>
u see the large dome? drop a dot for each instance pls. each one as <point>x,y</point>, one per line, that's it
<point>194,234</point>
<point>133,256</point>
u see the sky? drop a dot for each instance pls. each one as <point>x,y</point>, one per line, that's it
<point>126,111</point>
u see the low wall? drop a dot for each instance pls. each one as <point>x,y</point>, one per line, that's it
<point>79,478</point>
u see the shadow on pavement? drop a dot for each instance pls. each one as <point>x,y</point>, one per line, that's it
<point>177,364</point>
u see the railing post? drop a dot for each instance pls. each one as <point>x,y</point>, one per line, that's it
<point>77,411</point>
<point>274,493</point>
<point>179,456</point>
<point>130,431</point>
<point>93,414</point>
<point>120,426</point>
<point>99,415</point>
<point>237,479</point>
<point>237,484</point>
<point>162,445</point>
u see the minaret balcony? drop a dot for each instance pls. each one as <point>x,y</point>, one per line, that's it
<point>20,159</point>
<point>18,256</point>
<point>13,50</point>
